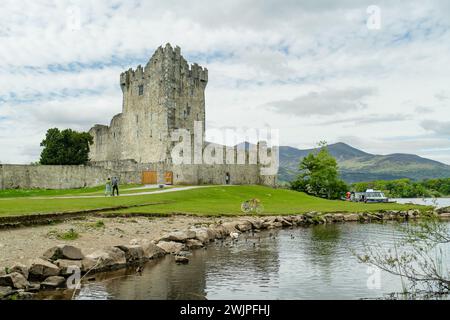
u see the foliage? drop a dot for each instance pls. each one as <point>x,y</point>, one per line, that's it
<point>417,258</point>
<point>319,175</point>
<point>405,188</point>
<point>66,147</point>
<point>67,235</point>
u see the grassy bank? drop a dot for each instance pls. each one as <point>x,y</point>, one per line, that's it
<point>203,201</point>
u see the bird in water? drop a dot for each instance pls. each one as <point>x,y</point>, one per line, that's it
<point>139,270</point>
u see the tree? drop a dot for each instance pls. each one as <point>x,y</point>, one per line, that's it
<point>319,175</point>
<point>66,147</point>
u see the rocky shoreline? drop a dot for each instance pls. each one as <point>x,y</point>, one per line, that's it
<point>64,266</point>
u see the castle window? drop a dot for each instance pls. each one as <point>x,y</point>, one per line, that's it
<point>141,89</point>
<point>188,110</point>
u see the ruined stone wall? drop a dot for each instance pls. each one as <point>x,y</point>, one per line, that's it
<point>215,174</point>
<point>60,177</point>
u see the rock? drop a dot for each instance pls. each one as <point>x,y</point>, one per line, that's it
<point>25,295</point>
<point>63,251</point>
<point>41,269</point>
<point>445,215</point>
<point>351,217</point>
<point>299,219</point>
<point>230,227</point>
<point>151,250</point>
<point>53,282</point>
<point>109,258</point>
<point>134,242</point>
<point>244,226</point>
<point>338,217</point>
<point>34,287</point>
<point>329,218</point>
<point>194,244</point>
<point>133,253</point>
<point>5,291</point>
<point>181,259</point>
<point>14,280</point>
<point>171,246</point>
<point>68,266</point>
<point>275,224</point>
<point>202,235</point>
<point>2,272</point>
<point>284,222</point>
<point>179,236</point>
<point>20,268</point>
<point>257,223</point>
<point>220,232</point>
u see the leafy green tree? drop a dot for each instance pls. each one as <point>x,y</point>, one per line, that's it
<point>66,147</point>
<point>319,175</point>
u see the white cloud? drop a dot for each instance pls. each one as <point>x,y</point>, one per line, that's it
<point>313,58</point>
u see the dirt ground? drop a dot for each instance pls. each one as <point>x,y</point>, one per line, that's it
<point>23,244</point>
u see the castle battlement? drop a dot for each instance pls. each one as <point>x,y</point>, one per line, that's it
<point>165,62</point>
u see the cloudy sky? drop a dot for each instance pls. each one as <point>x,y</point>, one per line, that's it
<point>312,69</point>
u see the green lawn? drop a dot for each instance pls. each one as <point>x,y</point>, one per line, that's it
<point>205,201</point>
<point>19,193</point>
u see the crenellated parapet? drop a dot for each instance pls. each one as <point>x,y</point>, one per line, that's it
<point>166,62</point>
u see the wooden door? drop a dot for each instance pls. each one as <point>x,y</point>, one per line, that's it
<point>168,177</point>
<point>149,177</point>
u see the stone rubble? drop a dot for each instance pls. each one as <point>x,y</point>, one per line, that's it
<point>60,262</point>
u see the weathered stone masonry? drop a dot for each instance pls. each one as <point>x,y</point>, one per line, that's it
<point>167,94</point>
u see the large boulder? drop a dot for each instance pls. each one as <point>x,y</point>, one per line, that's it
<point>69,266</point>
<point>14,280</point>
<point>41,269</point>
<point>194,244</point>
<point>244,225</point>
<point>63,251</point>
<point>230,227</point>
<point>109,258</point>
<point>179,236</point>
<point>53,282</point>
<point>133,253</point>
<point>151,250</point>
<point>20,268</point>
<point>171,246</point>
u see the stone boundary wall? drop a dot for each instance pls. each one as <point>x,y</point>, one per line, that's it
<point>59,177</point>
<point>128,171</point>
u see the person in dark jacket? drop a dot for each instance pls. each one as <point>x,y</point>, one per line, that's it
<point>115,185</point>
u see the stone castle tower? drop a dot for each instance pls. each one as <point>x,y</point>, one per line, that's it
<point>166,94</point>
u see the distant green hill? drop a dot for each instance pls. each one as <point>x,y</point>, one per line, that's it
<point>356,165</point>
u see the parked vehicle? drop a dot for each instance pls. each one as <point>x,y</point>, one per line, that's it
<point>369,196</point>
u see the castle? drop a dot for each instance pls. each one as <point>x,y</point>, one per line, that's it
<point>165,96</point>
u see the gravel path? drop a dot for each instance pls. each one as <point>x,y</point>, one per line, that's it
<point>21,245</point>
<point>128,194</point>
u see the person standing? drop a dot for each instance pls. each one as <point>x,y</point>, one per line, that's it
<point>115,186</point>
<point>108,187</point>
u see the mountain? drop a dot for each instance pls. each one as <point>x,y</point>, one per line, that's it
<point>356,165</point>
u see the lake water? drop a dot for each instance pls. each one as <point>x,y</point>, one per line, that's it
<point>300,263</point>
<point>439,202</point>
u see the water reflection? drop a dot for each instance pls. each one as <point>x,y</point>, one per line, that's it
<point>302,263</point>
